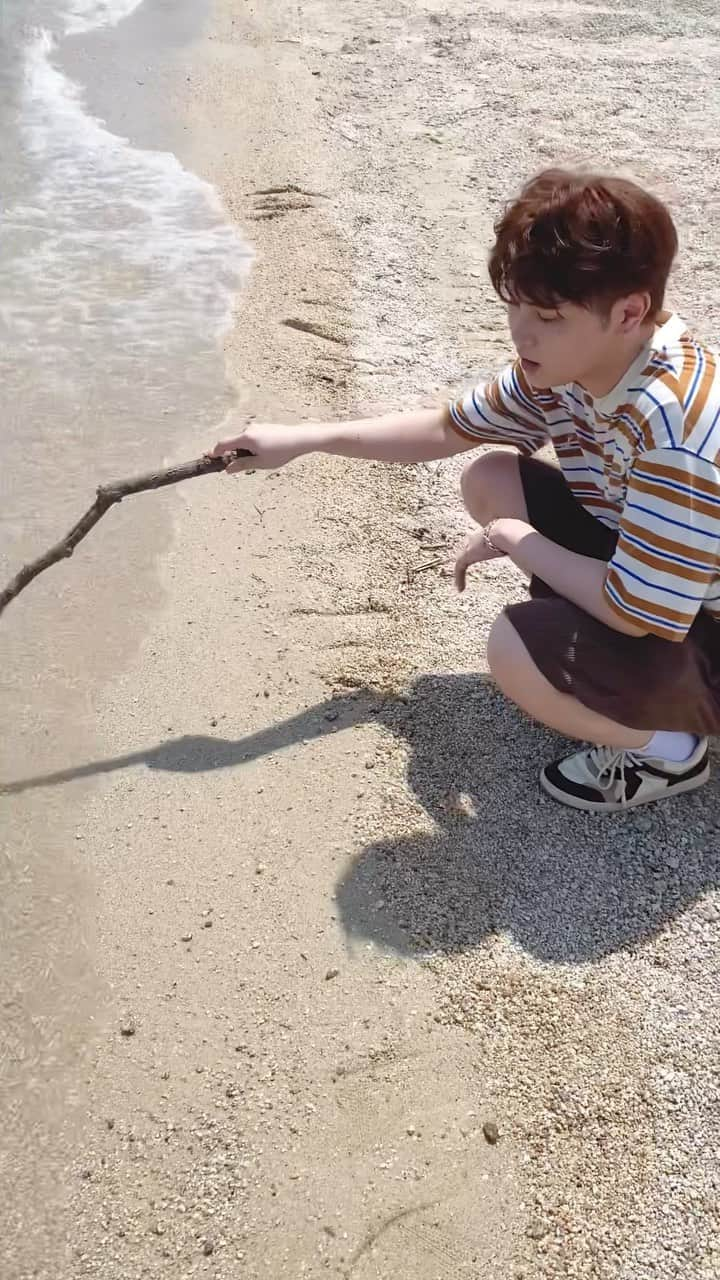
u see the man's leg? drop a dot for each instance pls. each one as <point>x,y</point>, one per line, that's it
<point>619,771</point>
<point>518,677</point>
<point>491,487</point>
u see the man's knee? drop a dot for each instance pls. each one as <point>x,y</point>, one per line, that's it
<point>491,486</point>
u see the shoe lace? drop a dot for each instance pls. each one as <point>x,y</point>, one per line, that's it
<point>609,765</point>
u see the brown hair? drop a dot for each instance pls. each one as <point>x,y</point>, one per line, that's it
<point>582,238</point>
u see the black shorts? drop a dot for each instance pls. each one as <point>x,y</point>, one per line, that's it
<point>643,682</point>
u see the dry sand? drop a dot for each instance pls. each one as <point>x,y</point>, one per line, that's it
<point>342,927</point>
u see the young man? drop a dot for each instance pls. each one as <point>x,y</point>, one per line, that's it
<point>619,643</point>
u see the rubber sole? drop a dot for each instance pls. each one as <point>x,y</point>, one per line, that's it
<point>576,802</point>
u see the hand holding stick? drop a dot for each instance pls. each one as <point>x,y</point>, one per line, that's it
<point>107,496</point>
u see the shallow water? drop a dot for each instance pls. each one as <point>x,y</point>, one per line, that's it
<point>118,272</point>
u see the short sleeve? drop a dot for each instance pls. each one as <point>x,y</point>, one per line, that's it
<point>504,411</point>
<point>666,561</point>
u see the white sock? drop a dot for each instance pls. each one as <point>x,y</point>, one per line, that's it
<point>666,745</point>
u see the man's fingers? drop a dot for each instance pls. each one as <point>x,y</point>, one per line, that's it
<point>240,464</point>
<point>226,446</point>
<point>460,574</point>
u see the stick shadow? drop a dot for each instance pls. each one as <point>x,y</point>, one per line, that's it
<point>566,886</point>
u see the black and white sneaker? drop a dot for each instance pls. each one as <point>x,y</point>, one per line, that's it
<point>607,780</point>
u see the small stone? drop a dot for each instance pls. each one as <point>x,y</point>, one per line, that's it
<point>490,1131</point>
<point>207,924</point>
<point>331,715</point>
<point>158,1229</point>
<point>186,937</point>
<point>213,723</point>
<point>260,869</point>
<point>411,1131</point>
<point>128,1028</point>
<point>331,973</point>
<point>208,1248</point>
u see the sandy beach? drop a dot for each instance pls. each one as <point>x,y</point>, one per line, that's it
<point>326,987</point>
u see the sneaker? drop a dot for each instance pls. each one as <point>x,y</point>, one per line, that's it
<point>607,780</point>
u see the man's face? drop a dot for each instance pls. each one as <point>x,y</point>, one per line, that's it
<point>564,344</point>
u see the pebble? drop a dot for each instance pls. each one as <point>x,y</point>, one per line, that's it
<point>490,1131</point>
<point>208,1248</point>
<point>128,1028</point>
<point>186,937</point>
<point>331,973</point>
<point>207,924</point>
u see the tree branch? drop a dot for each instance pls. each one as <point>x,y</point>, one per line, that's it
<point>107,496</point>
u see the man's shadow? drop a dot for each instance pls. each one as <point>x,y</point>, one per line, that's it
<point>566,885</point>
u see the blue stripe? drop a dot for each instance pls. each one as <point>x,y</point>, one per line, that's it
<point>462,423</point>
<point>643,391</point>
<point>569,393</point>
<point>584,435</point>
<point>712,428</point>
<point>679,524</point>
<point>664,555</point>
<point>511,430</point>
<point>640,613</point>
<point>622,570</point>
<point>637,433</point>
<point>524,399</point>
<point>693,388</point>
<point>679,488</point>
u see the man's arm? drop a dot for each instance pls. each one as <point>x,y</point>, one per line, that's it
<point>419,436</point>
<point>580,579</point>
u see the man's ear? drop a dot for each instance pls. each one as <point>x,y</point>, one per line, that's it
<point>631,313</point>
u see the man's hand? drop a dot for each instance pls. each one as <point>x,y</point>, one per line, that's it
<point>476,551</point>
<point>271,445</point>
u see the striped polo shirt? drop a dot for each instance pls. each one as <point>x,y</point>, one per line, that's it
<point>644,459</point>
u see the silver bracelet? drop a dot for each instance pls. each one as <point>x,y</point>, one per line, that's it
<point>487,535</point>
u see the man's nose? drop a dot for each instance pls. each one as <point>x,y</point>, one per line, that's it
<point>523,335</point>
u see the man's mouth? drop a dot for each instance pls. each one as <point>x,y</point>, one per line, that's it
<point>530,366</point>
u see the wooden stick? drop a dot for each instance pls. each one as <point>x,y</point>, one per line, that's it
<point>107,496</point>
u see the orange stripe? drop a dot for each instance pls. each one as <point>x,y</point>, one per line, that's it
<point>627,434</point>
<point>666,544</point>
<point>690,364</point>
<point>525,387</point>
<point>681,571</point>
<point>702,395</point>
<point>485,434</point>
<point>590,445</point>
<point>632,411</point>
<point>682,477</point>
<point>647,606</point>
<point>498,406</point>
<point>649,627</point>
<point>467,434</point>
<point>682,501</point>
